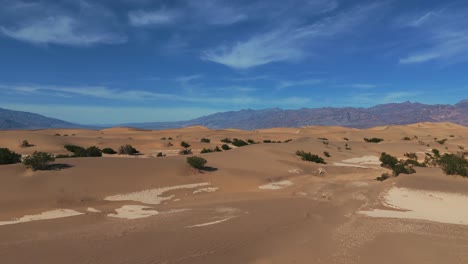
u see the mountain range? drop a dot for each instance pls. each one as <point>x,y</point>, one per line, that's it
<point>385,114</point>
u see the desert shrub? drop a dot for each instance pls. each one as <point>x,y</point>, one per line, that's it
<point>373,140</point>
<point>185,152</point>
<point>217,149</point>
<point>26,144</point>
<point>388,161</point>
<point>206,150</point>
<point>322,138</point>
<point>267,141</point>
<point>78,151</point>
<point>250,141</point>
<point>452,164</point>
<point>169,138</point>
<point>239,142</point>
<point>345,138</point>
<point>109,151</point>
<point>327,154</point>
<point>287,140</point>
<point>205,140</point>
<point>401,168</point>
<point>307,156</point>
<point>160,154</point>
<point>93,151</point>
<point>63,156</point>
<point>169,144</point>
<point>436,153</point>
<point>411,156</point>
<point>9,157</point>
<point>57,135</point>
<point>38,160</point>
<point>347,146</point>
<point>185,144</point>
<point>196,162</point>
<point>383,177</point>
<point>127,150</point>
<point>225,147</point>
<point>226,140</point>
<point>406,138</point>
<point>442,141</point>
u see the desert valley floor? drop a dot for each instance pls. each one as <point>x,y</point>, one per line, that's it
<point>256,204</point>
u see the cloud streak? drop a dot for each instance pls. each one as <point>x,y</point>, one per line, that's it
<point>287,43</point>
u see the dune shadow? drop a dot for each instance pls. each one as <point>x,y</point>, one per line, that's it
<point>209,169</point>
<point>58,166</point>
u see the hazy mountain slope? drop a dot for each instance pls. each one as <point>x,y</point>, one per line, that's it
<point>10,119</point>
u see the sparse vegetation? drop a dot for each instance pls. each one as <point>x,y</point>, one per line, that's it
<point>373,140</point>
<point>205,140</point>
<point>109,151</point>
<point>160,154</point>
<point>206,150</point>
<point>38,160</point>
<point>345,139</point>
<point>267,141</point>
<point>226,140</point>
<point>442,141</point>
<point>196,162</point>
<point>185,144</point>
<point>185,152</point>
<point>287,140</point>
<point>383,177</point>
<point>78,151</point>
<point>9,157</point>
<point>217,149</point>
<point>326,154</point>
<point>250,141</point>
<point>406,138</point>
<point>398,167</point>
<point>26,144</point>
<point>453,164</point>
<point>307,156</point>
<point>127,150</point>
<point>225,147</point>
<point>239,142</point>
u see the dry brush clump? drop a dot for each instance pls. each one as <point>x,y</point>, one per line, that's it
<point>38,160</point>
<point>307,156</point>
<point>196,162</point>
<point>9,157</point>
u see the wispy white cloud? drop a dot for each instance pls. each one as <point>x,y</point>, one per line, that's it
<point>363,85</point>
<point>442,35</point>
<point>188,78</point>
<point>147,18</point>
<point>287,43</point>
<point>80,24</point>
<point>309,82</point>
<point>59,30</point>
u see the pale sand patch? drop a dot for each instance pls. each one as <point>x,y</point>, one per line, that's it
<point>207,189</point>
<point>153,196</point>
<point>92,210</point>
<point>434,206</point>
<point>340,164</point>
<point>210,223</point>
<point>133,212</point>
<point>276,185</point>
<point>54,214</point>
<point>364,160</point>
<point>295,171</point>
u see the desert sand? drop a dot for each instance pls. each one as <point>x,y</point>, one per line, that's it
<point>256,204</point>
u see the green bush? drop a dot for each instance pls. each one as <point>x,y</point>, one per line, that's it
<point>307,156</point>
<point>26,144</point>
<point>9,157</point>
<point>109,151</point>
<point>38,160</point>
<point>217,149</point>
<point>383,177</point>
<point>205,140</point>
<point>93,151</point>
<point>442,141</point>
<point>388,161</point>
<point>250,141</point>
<point>196,162</point>
<point>239,142</point>
<point>78,151</point>
<point>185,152</point>
<point>226,140</point>
<point>185,144</point>
<point>373,140</point>
<point>127,150</point>
<point>225,147</point>
<point>206,150</point>
<point>401,168</point>
<point>452,164</point>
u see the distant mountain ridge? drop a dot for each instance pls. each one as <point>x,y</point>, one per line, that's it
<point>385,114</point>
<point>380,115</point>
<point>10,119</point>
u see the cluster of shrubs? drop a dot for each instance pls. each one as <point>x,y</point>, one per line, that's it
<point>397,166</point>
<point>36,161</point>
<point>240,143</point>
<point>164,138</point>
<point>208,150</point>
<point>78,151</point>
<point>196,162</point>
<point>205,140</point>
<point>373,140</point>
<point>307,156</point>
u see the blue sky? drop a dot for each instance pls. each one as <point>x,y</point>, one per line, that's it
<point>116,61</point>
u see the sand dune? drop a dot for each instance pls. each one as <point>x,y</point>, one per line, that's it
<point>256,204</point>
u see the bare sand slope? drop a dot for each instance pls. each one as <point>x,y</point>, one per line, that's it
<point>257,204</point>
